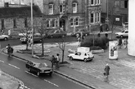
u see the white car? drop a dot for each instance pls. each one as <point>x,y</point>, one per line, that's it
<point>4,37</point>
<point>81,56</point>
<point>123,34</point>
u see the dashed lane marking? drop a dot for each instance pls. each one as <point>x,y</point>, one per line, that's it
<point>51,83</point>
<point>14,66</point>
<point>1,61</point>
<point>31,74</point>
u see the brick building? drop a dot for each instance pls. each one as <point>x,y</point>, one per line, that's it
<point>72,15</point>
<point>117,8</point>
<point>18,18</point>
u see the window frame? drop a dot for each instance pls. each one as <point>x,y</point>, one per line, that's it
<point>92,4</point>
<point>22,2</point>
<point>2,24</point>
<point>12,2</point>
<point>76,20</point>
<point>14,23</point>
<point>92,18</point>
<point>98,2</point>
<point>74,7</point>
<point>61,8</point>
<point>73,21</point>
<point>51,10</point>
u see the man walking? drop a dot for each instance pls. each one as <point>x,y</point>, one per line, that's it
<point>9,50</point>
<point>58,60</point>
<point>107,70</point>
<point>53,60</point>
<point>120,42</point>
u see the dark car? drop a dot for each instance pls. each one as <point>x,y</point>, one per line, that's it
<point>83,32</point>
<point>38,68</point>
<point>56,34</point>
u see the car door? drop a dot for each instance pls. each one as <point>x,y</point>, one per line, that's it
<point>77,56</point>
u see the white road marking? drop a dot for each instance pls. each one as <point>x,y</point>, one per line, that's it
<point>44,79</point>
<point>31,74</point>
<point>1,61</point>
<point>51,83</point>
<point>14,66</point>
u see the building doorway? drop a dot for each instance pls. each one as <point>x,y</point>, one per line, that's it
<point>63,24</point>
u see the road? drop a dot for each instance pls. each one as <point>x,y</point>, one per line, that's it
<point>16,68</point>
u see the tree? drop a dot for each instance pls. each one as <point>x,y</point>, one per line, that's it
<point>42,31</point>
<point>24,33</point>
<point>113,10</point>
<point>62,46</point>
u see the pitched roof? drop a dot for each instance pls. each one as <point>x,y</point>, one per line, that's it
<point>25,11</point>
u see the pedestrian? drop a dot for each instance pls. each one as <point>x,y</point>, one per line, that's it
<point>106,41</point>
<point>9,50</point>
<point>106,71</point>
<point>53,60</point>
<point>101,28</point>
<point>58,60</point>
<point>120,42</point>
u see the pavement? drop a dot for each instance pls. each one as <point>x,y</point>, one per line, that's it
<point>19,85</point>
<point>91,74</point>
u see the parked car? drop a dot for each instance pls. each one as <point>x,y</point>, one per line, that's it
<point>35,39</point>
<point>123,34</point>
<point>82,54</point>
<point>56,34</point>
<point>83,32</point>
<point>24,34</point>
<point>4,37</point>
<point>38,68</point>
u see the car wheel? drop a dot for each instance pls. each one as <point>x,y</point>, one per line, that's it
<point>50,74</point>
<point>70,58</point>
<point>5,38</point>
<point>85,59</point>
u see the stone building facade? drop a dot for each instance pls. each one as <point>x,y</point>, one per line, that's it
<point>71,15</point>
<point>117,8</point>
<point>18,19</point>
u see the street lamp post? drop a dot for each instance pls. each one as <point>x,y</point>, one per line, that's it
<point>107,11</point>
<point>32,25</point>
